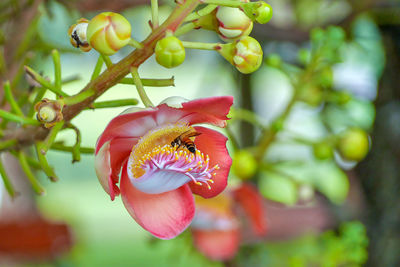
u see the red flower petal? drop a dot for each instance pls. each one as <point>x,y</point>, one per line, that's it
<point>211,110</point>
<point>109,160</point>
<point>217,245</point>
<point>213,144</point>
<point>251,201</point>
<point>164,215</point>
<point>128,125</point>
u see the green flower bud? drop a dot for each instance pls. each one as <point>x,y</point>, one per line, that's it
<point>323,151</point>
<point>274,60</point>
<point>311,94</point>
<point>232,23</point>
<point>170,52</point>
<point>325,77</point>
<point>353,144</point>
<point>304,56</point>
<point>244,165</point>
<point>245,54</point>
<point>258,11</point>
<point>108,32</point>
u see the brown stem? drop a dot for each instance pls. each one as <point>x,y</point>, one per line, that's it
<point>110,77</point>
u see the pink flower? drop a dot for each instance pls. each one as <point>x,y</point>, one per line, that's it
<point>157,178</point>
<point>216,227</point>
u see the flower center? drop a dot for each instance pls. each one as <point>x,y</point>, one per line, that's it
<point>154,152</point>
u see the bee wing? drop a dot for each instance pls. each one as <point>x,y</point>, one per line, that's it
<point>193,134</point>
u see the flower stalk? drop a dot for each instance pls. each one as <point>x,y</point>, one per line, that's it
<point>203,46</point>
<point>114,103</point>
<point>57,69</point>
<point>51,137</point>
<point>12,117</point>
<point>37,187</point>
<point>154,14</point>
<point>97,68</point>
<point>11,100</point>
<point>43,82</point>
<point>150,82</point>
<point>139,86</point>
<point>44,165</point>
<point>6,181</point>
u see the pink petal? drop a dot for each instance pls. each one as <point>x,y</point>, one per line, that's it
<point>251,201</point>
<point>134,124</point>
<point>213,144</point>
<point>211,110</point>
<point>164,215</point>
<point>109,160</point>
<point>217,245</point>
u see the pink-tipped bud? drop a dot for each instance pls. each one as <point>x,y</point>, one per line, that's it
<point>245,54</point>
<point>108,32</point>
<point>232,23</point>
<point>77,35</point>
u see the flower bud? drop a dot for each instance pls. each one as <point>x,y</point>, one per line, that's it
<point>77,35</point>
<point>170,52</point>
<point>232,23</point>
<point>244,165</point>
<point>353,144</point>
<point>311,94</point>
<point>108,32</point>
<point>49,112</point>
<point>323,150</point>
<point>245,54</point>
<point>258,11</point>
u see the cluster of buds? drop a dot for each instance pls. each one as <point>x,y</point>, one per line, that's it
<point>107,33</point>
<point>49,112</point>
<point>233,25</point>
<point>352,144</point>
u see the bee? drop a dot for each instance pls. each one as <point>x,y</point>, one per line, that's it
<point>185,140</point>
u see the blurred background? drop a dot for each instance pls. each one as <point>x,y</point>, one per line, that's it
<point>341,59</point>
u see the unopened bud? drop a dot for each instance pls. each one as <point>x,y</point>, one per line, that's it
<point>323,150</point>
<point>353,144</point>
<point>108,32</point>
<point>49,112</point>
<point>232,23</point>
<point>245,54</point>
<point>258,11</point>
<point>244,165</point>
<point>77,35</point>
<point>170,52</point>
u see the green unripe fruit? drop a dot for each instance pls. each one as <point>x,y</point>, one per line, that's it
<point>244,165</point>
<point>170,52</point>
<point>323,151</point>
<point>353,144</point>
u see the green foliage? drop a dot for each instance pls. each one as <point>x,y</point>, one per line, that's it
<point>345,247</point>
